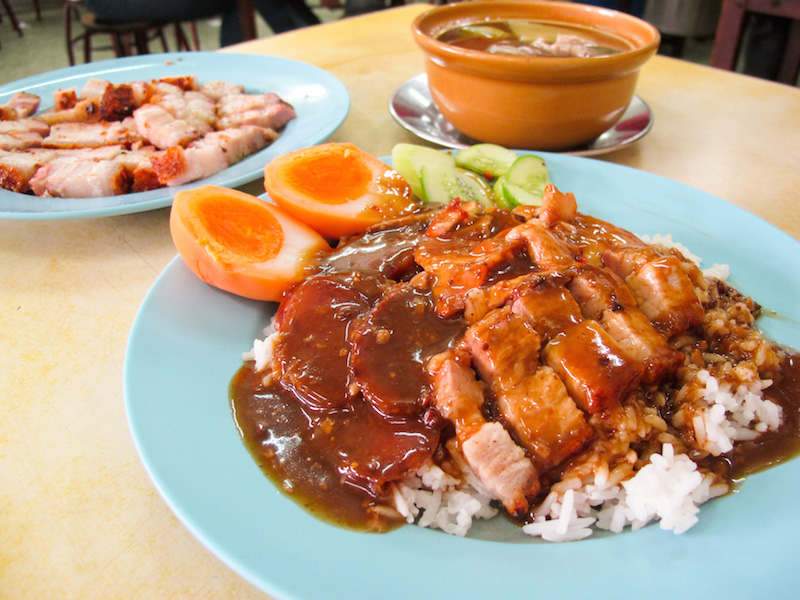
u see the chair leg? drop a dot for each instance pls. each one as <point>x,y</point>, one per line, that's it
<point>790,65</point>
<point>195,37</point>
<point>140,38</point>
<point>13,17</point>
<point>120,45</point>
<point>180,38</point>
<point>162,38</point>
<point>729,34</point>
<point>68,33</point>
<point>87,48</point>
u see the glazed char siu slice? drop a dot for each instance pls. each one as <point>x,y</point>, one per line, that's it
<point>605,298</point>
<point>531,398</point>
<point>548,306</point>
<point>479,301</point>
<point>488,448</point>
<point>391,345</point>
<point>312,350</point>
<point>467,249</point>
<point>544,249</point>
<point>556,207</point>
<point>597,373</point>
<point>662,289</point>
<point>592,237</point>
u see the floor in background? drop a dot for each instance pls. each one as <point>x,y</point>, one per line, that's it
<point>43,47</point>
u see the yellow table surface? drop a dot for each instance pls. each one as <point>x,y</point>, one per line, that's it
<point>79,517</point>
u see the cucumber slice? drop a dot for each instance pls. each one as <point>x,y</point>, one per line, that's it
<point>441,184</point>
<point>499,193</point>
<point>526,180</point>
<point>513,195</point>
<point>408,160</point>
<point>489,160</point>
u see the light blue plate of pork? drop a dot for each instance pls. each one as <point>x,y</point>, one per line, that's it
<point>320,100</point>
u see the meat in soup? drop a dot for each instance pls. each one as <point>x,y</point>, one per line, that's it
<point>522,37</point>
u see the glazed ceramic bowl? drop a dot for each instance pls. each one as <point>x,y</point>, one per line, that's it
<point>532,102</point>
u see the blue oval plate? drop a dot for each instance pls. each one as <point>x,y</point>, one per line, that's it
<point>320,100</point>
<point>186,344</point>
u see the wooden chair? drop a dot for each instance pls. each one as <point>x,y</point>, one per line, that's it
<point>126,39</point>
<point>731,28</point>
<point>12,17</point>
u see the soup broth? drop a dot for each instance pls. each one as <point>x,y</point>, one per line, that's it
<point>534,38</point>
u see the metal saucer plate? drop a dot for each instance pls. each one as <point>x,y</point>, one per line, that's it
<point>412,107</point>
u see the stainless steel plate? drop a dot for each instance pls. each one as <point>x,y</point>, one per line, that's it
<point>412,107</point>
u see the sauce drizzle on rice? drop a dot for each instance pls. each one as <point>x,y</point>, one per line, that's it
<point>467,360</point>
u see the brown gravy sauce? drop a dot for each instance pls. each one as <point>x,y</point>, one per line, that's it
<point>335,459</point>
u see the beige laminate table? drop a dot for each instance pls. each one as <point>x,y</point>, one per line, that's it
<point>79,517</point>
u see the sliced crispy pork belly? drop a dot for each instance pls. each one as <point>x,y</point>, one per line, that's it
<point>239,143</point>
<point>488,448</point>
<point>21,134</point>
<point>532,399</point>
<point>264,110</point>
<point>605,298</point>
<point>662,289</point>
<point>30,124</point>
<point>65,99</point>
<point>93,88</point>
<point>91,135</point>
<point>85,111</point>
<point>79,178</point>
<point>117,102</point>
<point>196,109</point>
<point>139,166</point>
<point>177,165</point>
<point>101,153</point>
<point>218,89</point>
<point>186,83</point>
<point>17,168</point>
<point>161,128</point>
<point>20,106</point>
